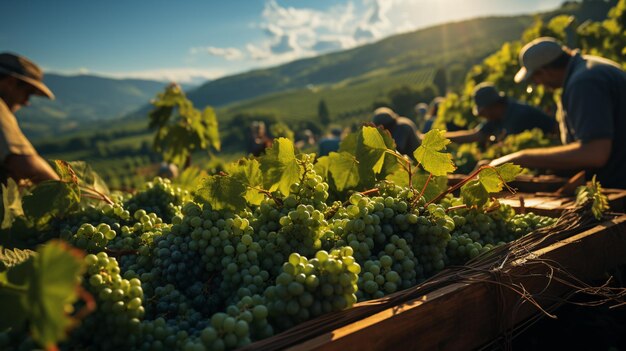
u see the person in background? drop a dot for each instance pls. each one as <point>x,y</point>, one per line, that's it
<point>20,78</point>
<point>258,140</point>
<point>306,139</point>
<point>504,116</point>
<point>330,143</point>
<point>592,112</point>
<point>431,114</point>
<point>402,129</point>
<point>420,113</point>
<point>167,170</point>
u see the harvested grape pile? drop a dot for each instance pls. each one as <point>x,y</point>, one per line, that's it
<point>170,271</point>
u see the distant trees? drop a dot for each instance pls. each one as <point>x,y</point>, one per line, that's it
<point>440,80</point>
<point>322,113</point>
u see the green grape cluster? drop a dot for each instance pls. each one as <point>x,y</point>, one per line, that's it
<point>159,196</point>
<point>310,287</point>
<point>92,239</point>
<point>117,318</point>
<point>477,232</point>
<point>392,271</point>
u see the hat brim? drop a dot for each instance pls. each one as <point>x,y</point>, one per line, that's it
<point>40,88</point>
<point>522,75</point>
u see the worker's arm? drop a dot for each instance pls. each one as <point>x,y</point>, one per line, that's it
<point>578,155</point>
<point>465,136</point>
<point>31,167</point>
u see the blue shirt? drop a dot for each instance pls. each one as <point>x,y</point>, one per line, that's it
<point>328,145</point>
<point>594,107</point>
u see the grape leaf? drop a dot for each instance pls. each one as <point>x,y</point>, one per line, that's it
<point>474,193</point>
<point>436,185</point>
<point>369,146</point>
<point>51,198</point>
<point>592,191</point>
<point>280,167</point>
<point>222,192</point>
<point>12,203</point>
<point>248,172</point>
<point>53,287</point>
<point>344,169</point>
<point>492,178</point>
<point>65,171</point>
<point>41,289</point>
<point>13,301</point>
<point>429,154</point>
<point>322,166</point>
<point>82,173</point>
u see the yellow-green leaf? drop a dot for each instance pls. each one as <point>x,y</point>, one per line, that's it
<point>429,154</point>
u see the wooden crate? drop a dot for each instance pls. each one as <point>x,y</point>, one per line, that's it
<point>463,316</point>
<point>554,205</point>
<point>450,315</point>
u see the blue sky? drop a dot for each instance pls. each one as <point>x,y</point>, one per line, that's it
<point>192,40</point>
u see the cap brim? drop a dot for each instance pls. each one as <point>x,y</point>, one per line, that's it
<point>522,75</point>
<point>475,110</point>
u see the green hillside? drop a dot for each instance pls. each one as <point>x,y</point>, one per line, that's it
<point>349,81</point>
<point>447,44</point>
<point>81,100</point>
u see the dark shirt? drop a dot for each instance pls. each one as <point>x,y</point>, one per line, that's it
<point>328,145</point>
<point>518,117</point>
<point>404,133</point>
<point>594,107</point>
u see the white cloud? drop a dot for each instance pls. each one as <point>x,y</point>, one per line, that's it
<point>230,54</point>
<point>296,32</point>
<point>179,75</point>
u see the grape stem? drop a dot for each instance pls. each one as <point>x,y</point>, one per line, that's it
<point>466,180</point>
<point>98,195</point>
<point>278,201</point>
<point>458,207</point>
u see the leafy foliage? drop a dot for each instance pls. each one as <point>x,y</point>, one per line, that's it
<point>280,166</point>
<point>40,290</point>
<point>429,154</point>
<point>222,192</point>
<point>592,191</point>
<point>490,180</point>
<point>180,128</point>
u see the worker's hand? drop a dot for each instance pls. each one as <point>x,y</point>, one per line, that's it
<point>514,157</point>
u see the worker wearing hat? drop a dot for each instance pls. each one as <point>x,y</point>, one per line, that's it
<point>19,79</point>
<point>503,116</point>
<point>403,130</point>
<point>592,112</point>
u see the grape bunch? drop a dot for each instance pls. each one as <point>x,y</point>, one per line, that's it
<point>159,196</point>
<point>119,310</point>
<point>311,287</point>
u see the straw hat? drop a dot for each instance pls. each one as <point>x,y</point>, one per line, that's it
<point>26,71</point>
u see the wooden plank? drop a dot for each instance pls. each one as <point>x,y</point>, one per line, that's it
<point>549,205</point>
<point>469,315</point>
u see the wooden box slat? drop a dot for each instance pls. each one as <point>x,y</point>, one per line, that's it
<point>553,206</point>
